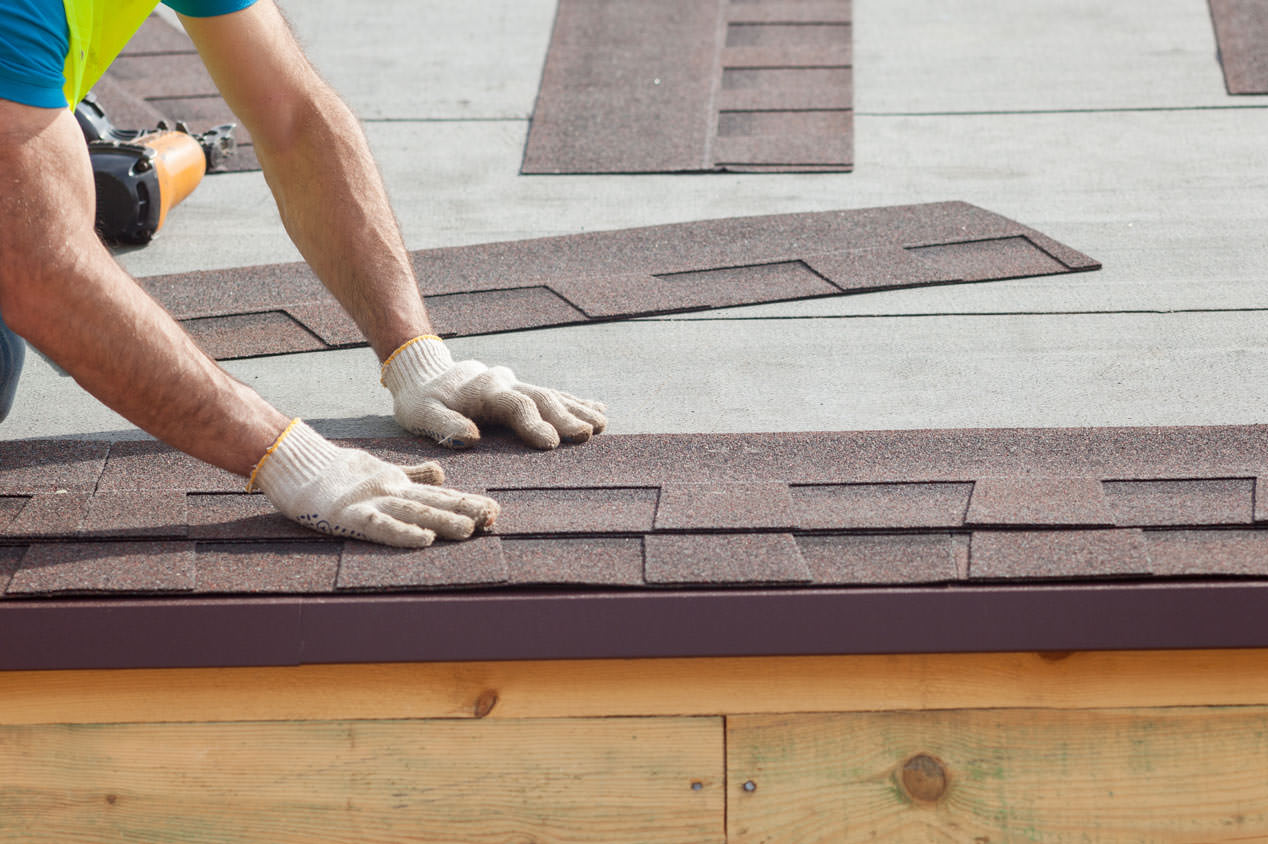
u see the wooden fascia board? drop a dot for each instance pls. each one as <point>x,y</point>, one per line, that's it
<point>640,688</point>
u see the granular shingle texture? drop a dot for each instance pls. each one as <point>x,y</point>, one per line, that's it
<point>1241,28</point>
<point>159,76</point>
<point>575,510</point>
<point>1058,554</point>
<point>656,545</point>
<point>1204,552</point>
<point>754,506</point>
<point>736,558</point>
<point>580,561</point>
<point>105,567</point>
<point>1217,501</point>
<point>665,86</point>
<point>264,567</point>
<point>475,562</point>
<point>889,505</point>
<point>593,276</point>
<point>1038,501</point>
<point>732,511</point>
<point>868,559</point>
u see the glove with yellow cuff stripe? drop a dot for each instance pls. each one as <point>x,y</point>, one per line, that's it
<point>351,493</point>
<point>440,399</point>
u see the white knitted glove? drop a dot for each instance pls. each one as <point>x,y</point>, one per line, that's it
<point>349,492</point>
<point>437,398</point>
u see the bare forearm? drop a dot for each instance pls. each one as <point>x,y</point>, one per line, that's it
<point>318,165</point>
<point>124,349</point>
<point>336,210</point>
<point>62,291</point>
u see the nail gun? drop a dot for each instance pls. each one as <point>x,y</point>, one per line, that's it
<point>141,174</point>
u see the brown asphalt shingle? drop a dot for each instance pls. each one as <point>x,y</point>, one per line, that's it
<point>1241,28</point>
<point>667,86</point>
<point>1038,501</point>
<point>632,272</point>
<point>733,510</point>
<point>888,505</point>
<point>475,562</point>
<point>263,567</point>
<point>105,567</point>
<point>1217,501</point>
<point>575,510</point>
<point>871,559</point>
<point>713,559</point>
<point>1058,554</point>
<point>575,561</point>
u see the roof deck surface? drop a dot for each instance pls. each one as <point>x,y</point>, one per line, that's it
<point>1127,149</point>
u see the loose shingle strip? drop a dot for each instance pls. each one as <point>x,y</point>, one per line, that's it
<point>680,511</point>
<point>50,514</point>
<point>576,510</point>
<point>627,273</point>
<point>665,86</point>
<point>1241,28</point>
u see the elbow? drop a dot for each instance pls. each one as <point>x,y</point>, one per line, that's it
<point>312,120</point>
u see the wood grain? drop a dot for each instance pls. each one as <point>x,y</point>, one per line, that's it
<point>640,687</point>
<point>1157,775</point>
<point>572,780</point>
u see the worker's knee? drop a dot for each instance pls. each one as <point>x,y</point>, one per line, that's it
<point>12,354</point>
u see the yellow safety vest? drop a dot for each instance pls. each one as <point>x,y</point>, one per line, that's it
<point>99,29</point>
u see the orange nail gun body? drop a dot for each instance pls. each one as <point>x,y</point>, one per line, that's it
<point>140,175</point>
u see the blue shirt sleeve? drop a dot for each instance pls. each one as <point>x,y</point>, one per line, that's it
<point>207,8</point>
<point>33,45</point>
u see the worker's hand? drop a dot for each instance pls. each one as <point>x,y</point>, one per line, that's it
<point>437,398</point>
<point>351,493</point>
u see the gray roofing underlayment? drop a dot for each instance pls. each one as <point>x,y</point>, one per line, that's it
<point>666,86</point>
<point>644,545</point>
<point>280,308</point>
<point>1241,28</point>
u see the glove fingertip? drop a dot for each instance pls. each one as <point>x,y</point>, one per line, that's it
<point>389,531</point>
<point>544,437</point>
<point>456,439</point>
<point>491,514</point>
<point>581,435</point>
<point>458,527</point>
<point>428,473</point>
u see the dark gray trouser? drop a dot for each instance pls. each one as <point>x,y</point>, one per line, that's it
<point>12,353</point>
